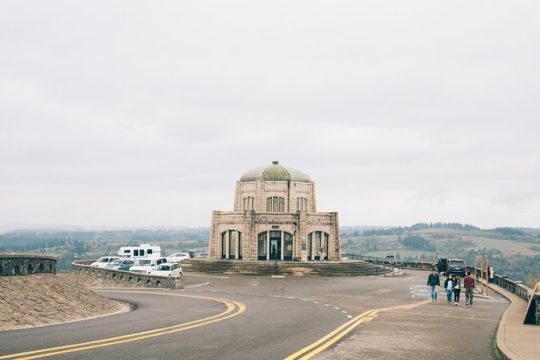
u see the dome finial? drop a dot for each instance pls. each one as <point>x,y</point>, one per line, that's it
<point>275,162</point>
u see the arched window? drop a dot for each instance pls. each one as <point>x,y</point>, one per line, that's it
<point>231,244</point>
<point>249,203</point>
<point>301,204</point>
<point>275,204</point>
<point>316,241</point>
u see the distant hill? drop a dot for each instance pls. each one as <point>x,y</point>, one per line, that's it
<point>512,251</point>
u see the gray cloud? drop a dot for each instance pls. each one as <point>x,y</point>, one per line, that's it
<point>131,113</point>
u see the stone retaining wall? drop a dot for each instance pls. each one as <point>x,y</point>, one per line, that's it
<point>115,278</point>
<point>326,268</point>
<point>26,264</point>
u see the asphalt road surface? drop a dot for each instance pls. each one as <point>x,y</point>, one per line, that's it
<point>252,317</point>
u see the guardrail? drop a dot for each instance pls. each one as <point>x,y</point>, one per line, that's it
<point>124,278</point>
<point>421,265</point>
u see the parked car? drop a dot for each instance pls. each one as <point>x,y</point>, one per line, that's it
<point>145,265</point>
<point>103,261</point>
<point>390,260</point>
<point>456,267</point>
<point>177,257</point>
<point>172,270</point>
<point>442,264</point>
<point>120,264</point>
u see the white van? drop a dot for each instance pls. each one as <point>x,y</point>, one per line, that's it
<point>146,251</point>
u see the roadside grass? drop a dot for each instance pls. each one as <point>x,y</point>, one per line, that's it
<point>496,350</point>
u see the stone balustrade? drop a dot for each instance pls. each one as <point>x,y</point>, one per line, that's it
<point>26,264</point>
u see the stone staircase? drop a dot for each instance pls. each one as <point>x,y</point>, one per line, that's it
<point>327,268</point>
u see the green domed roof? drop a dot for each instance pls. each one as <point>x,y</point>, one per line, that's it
<point>275,172</point>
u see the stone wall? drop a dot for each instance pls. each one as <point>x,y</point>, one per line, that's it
<point>98,277</point>
<point>294,268</point>
<point>26,264</point>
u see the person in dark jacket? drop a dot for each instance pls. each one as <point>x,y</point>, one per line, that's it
<point>433,281</point>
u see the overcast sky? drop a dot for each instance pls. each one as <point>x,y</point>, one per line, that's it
<point>131,113</point>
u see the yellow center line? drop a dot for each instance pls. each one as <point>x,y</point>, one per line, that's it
<point>228,313</point>
<point>328,340</point>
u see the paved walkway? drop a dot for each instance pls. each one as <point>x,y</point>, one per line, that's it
<point>515,340</point>
<point>439,331</point>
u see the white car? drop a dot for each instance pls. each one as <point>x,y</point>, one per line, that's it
<point>177,257</point>
<point>172,270</point>
<point>146,265</point>
<point>103,261</point>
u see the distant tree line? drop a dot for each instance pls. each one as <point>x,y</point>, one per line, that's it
<point>400,230</point>
<point>416,242</point>
<point>19,241</point>
<point>507,231</point>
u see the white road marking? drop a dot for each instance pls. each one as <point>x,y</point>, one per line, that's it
<point>196,285</point>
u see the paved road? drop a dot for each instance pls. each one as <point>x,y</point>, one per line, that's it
<point>270,318</point>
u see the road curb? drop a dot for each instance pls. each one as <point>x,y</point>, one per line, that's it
<point>504,351</point>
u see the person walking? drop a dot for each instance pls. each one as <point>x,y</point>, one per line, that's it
<point>322,253</point>
<point>449,286</point>
<point>433,281</point>
<point>457,289</point>
<point>491,274</point>
<point>469,284</point>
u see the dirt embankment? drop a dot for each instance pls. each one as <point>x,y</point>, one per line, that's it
<point>42,299</point>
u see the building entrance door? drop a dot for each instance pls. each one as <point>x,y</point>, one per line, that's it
<point>275,247</point>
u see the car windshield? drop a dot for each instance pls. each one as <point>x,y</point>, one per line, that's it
<point>456,262</point>
<point>144,262</point>
<point>103,260</point>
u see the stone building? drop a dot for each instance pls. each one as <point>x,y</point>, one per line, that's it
<point>274,218</point>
